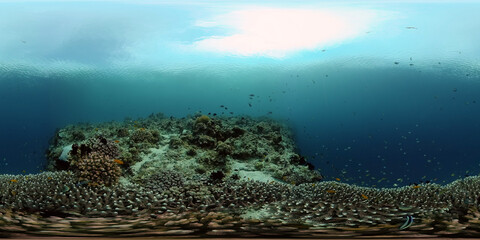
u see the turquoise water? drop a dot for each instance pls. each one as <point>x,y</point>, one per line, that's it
<point>378,94</point>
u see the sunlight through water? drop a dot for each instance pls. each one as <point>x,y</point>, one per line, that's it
<point>276,32</point>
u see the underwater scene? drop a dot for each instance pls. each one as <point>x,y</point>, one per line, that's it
<point>263,119</point>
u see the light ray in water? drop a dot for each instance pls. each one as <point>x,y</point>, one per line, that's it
<point>276,32</point>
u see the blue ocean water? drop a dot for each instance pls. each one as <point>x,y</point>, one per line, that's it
<point>397,104</point>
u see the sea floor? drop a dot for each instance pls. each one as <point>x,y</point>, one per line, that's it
<point>205,177</point>
<point>210,225</point>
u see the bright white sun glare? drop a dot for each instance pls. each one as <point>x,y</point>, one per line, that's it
<point>276,32</point>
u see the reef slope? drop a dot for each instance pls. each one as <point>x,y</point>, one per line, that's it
<point>203,176</point>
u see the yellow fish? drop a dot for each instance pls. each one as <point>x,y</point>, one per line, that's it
<point>338,179</point>
<point>330,191</point>
<point>118,161</point>
<point>416,186</point>
<point>364,196</point>
<point>13,181</point>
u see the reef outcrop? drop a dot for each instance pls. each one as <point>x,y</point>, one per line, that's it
<point>204,176</point>
<point>194,146</point>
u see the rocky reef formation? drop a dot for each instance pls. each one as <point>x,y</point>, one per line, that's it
<point>239,147</point>
<point>203,176</point>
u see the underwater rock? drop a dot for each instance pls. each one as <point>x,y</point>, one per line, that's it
<point>212,159</point>
<point>176,142</point>
<point>145,136</point>
<point>196,145</point>
<point>123,132</point>
<point>205,141</point>
<point>216,177</point>
<point>224,148</point>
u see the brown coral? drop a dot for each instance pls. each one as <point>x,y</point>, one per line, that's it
<point>202,119</point>
<point>143,135</point>
<point>97,169</point>
<point>104,146</point>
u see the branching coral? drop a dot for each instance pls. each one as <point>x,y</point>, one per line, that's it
<point>97,169</point>
<point>163,180</point>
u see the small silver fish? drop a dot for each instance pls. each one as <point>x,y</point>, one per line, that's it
<point>408,222</point>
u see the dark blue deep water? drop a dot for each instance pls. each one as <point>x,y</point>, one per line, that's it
<point>393,100</point>
<point>386,126</point>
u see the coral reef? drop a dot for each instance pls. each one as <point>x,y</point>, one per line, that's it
<point>171,204</point>
<point>101,145</point>
<point>97,169</point>
<point>161,181</point>
<point>196,145</point>
<point>143,135</point>
<point>205,176</point>
<point>214,176</point>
